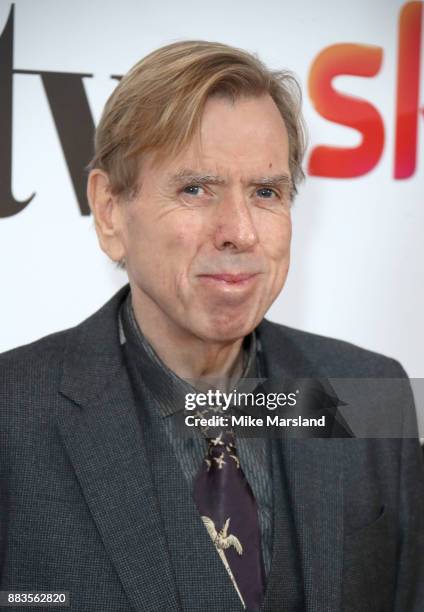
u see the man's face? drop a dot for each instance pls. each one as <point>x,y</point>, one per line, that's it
<point>207,239</point>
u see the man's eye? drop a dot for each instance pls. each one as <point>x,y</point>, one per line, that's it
<point>193,190</point>
<point>266,192</point>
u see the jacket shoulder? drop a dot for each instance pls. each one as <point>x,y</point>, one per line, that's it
<point>30,375</point>
<point>43,354</point>
<point>333,356</point>
<point>50,349</point>
<point>45,346</point>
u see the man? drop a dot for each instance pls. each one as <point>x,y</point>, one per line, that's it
<point>197,160</point>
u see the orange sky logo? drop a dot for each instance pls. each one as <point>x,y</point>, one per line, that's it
<point>365,61</point>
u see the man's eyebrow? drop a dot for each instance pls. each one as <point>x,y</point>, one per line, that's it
<point>277,180</point>
<point>185,176</point>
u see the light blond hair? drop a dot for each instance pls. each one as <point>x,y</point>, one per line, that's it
<point>158,105</point>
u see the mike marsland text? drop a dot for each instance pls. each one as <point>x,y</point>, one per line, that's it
<point>271,420</point>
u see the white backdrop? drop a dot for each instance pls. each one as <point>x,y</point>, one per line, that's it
<point>358,250</point>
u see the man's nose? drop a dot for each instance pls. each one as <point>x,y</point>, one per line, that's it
<point>234,225</point>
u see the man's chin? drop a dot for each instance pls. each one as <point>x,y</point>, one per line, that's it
<point>227,330</point>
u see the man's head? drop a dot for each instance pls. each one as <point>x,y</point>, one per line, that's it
<point>198,154</point>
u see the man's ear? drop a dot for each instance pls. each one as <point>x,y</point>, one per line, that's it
<point>105,208</point>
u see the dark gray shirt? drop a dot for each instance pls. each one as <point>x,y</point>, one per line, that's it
<point>254,453</point>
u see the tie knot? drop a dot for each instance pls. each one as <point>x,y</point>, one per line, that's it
<point>221,444</point>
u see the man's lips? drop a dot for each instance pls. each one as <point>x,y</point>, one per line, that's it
<point>231,279</point>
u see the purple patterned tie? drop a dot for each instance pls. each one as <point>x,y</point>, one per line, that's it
<point>229,511</point>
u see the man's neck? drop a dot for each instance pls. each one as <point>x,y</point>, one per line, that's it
<point>189,357</point>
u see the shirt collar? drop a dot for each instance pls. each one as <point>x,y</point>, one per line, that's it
<point>165,385</point>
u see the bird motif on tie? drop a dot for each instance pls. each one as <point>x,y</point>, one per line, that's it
<point>222,541</point>
<point>220,538</point>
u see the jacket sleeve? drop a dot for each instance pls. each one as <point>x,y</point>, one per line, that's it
<point>410,574</point>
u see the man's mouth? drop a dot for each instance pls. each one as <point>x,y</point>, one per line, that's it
<point>230,279</point>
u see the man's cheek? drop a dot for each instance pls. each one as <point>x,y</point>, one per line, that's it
<point>182,243</point>
<point>277,245</point>
<point>284,239</point>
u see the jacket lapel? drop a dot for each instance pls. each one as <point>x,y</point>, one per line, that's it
<point>102,436</point>
<point>314,470</point>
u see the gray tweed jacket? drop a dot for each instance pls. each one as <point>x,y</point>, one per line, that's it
<point>79,509</point>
